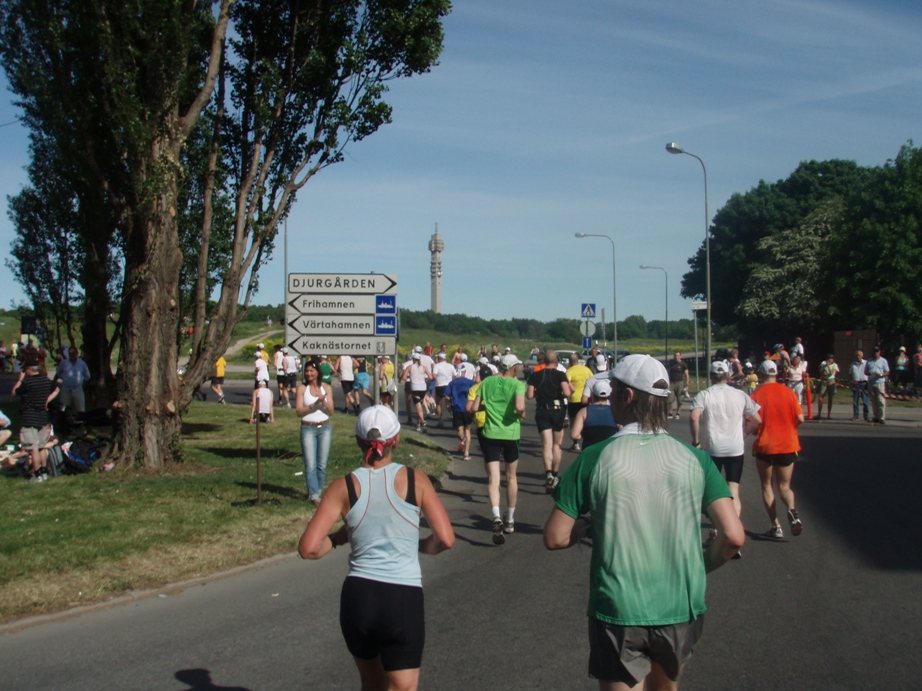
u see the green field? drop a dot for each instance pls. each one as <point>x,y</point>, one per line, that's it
<point>83,539</point>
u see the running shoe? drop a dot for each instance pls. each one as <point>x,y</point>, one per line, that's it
<point>797,526</point>
<point>738,555</point>
<point>774,533</point>
<point>551,484</point>
<point>419,429</point>
<point>509,526</point>
<point>498,537</point>
<point>467,457</point>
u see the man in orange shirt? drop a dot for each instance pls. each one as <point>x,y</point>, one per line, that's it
<point>776,446</point>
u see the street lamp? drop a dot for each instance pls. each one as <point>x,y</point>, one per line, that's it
<point>614,289</point>
<point>674,148</point>
<point>666,274</point>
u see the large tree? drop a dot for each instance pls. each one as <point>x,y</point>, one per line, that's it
<point>767,210</point>
<point>127,85</point>
<point>873,263</point>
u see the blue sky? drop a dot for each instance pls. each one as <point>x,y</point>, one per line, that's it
<point>545,119</point>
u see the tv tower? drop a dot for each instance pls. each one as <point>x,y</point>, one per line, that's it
<point>435,269</point>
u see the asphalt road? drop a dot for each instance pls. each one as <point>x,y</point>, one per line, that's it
<point>836,608</point>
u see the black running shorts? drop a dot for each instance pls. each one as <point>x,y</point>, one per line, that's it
<point>548,418</point>
<point>494,449</point>
<point>383,619</point>
<point>732,467</point>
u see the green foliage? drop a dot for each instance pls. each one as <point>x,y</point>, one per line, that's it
<point>784,292</point>
<point>874,260</point>
<point>765,211</point>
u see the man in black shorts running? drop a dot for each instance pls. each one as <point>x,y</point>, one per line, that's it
<point>550,388</point>
<point>721,416</point>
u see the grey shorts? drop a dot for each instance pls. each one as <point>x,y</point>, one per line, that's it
<point>625,654</point>
<point>33,438</point>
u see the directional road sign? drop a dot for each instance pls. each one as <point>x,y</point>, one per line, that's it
<point>587,311</point>
<point>341,313</point>
<point>587,342</point>
<point>699,305</point>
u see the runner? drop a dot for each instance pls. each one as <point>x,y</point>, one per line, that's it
<point>345,369</point>
<point>594,422</point>
<point>443,373</point>
<point>217,381</point>
<point>361,384</point>
<point>645,493</point>
<point>292,366</point>
<point>550,389</point>
<point>503,398</point>
<point>679,379</point>
<point>721,416</point>
<point>578,374</point>
<point>281,379</point>
<point>381,605</point>
<point>456,394</point>
<point>418,376</point>
<point>776,446</point>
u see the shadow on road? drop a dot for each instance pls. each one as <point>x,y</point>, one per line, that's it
<point>200,680</point>
<point>868,491</point>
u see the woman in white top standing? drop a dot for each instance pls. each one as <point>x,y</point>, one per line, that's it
<point>381,606</point>
<point>314,405</point>
<point>796,371</point>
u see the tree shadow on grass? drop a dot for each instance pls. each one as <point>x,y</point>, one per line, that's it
<point>189,428</point>
<point>280,490</point>
<point>267,454</point>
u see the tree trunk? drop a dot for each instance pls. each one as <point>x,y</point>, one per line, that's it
<point>148,423</point>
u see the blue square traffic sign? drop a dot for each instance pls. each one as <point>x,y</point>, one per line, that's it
<point>587,311</point>
<point>385,325</point>
<point>386,304</point>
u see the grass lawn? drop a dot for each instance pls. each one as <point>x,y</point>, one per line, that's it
<point>83,539</point>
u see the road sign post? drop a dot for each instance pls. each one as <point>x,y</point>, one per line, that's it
<point>341,314</point>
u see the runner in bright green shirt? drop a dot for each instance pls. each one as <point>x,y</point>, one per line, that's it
<point>645,493</point>
<point>503,399</point>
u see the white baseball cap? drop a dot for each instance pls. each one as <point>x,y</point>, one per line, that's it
<point>720,367</point>
<point>441,355</point>
<point>260,345</point>
<point>601,388</point>
<point>509,360</point>
<point>377,423</point>
<point>769,368</point>
<point>463,357</point>
<point>416,355</point>
<point>641,372</point>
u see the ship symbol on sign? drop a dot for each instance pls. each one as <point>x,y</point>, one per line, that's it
<point>385,326</point>
<point>386,304</point>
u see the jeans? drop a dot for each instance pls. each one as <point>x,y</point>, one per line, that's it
<point>315,448</point>
<point>861,391</point>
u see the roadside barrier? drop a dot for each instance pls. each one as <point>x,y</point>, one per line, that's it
<point>895,396</point>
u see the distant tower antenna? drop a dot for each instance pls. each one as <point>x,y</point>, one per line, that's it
<point>435,269</point>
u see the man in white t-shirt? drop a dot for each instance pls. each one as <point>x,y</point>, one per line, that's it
<point>345,369</point>
<point>465,369</point>
<point>721,416</point>
<point>261,405</point>
<point>262,371</point>
<point>443,373</point>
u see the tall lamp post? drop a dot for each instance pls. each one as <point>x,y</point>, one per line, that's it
<point>666,275</point>
<point>614,289</point>
<point>674,148</point>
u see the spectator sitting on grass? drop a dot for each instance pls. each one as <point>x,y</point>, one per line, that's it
<point>5,432</point>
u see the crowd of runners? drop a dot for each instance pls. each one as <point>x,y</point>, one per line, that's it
<point>628,490</point>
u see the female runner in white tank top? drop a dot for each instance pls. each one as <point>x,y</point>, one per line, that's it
<point>381,607</point>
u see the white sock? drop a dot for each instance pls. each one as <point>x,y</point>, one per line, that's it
<point>510,514</point>
<point>496,513</point>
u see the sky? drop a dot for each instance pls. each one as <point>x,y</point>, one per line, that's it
<point>545,119</point>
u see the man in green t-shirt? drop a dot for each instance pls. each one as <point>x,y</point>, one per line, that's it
<point>326,370</point>
<point>645,493</point>
<point>503,400</point>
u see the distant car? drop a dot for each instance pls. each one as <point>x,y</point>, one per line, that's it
<point>528,366</point>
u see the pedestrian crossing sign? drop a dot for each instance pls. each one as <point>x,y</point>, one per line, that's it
<point>587,311</point>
